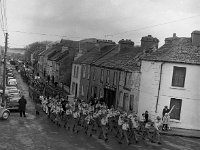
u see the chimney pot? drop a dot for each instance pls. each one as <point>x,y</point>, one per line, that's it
<point>174,35</point>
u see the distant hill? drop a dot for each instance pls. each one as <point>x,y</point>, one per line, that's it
<point>16,50</point>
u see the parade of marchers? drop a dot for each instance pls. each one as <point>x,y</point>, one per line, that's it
<point>95,118</point>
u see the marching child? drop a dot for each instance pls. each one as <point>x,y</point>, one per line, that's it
<point>157,128</point>
<point>134,127</point>
<point>76,116</point>
<point>119,125</point>
<point>125,128</point>
<point>89,124</point>
<point>103,131</point>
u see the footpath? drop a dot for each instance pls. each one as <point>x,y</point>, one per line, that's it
<point>182,132</point>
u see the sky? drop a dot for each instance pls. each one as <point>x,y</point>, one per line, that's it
<point>104,19</point>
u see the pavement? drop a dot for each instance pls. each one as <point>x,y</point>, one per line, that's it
<point>182,132</point>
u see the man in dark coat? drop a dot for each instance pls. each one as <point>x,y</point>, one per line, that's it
<point>22,106</point>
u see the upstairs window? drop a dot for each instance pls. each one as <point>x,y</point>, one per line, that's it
<point>88,72</point>
<point>94,71</point>
<point>101,79</point>
<point>84,71</point>
<point>77,71</point>
<point>74,71</point>
<point>115,78</point>
<point>127,79</point>
<point>82,90</point>
<point>178,78</point>
<point>108,76</point>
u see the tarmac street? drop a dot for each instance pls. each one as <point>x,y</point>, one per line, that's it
<point>39,133</point>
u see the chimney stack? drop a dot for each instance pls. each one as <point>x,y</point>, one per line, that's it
<point>170,39</point>
<point>123,44</point>
<point>102,43</point>
<point>195,35</point>
<point>148,43</point>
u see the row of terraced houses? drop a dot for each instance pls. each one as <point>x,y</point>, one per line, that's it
<point>129,77</point>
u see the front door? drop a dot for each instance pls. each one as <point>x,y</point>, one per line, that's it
<point>95,92</point>
<point>76,88</point>
<point>110,97</point>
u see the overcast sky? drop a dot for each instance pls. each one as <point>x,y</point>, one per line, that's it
<point>123,19</point>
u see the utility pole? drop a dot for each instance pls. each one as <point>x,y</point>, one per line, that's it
<point>4,70</point>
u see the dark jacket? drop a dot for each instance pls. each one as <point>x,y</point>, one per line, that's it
<point>22,104</point>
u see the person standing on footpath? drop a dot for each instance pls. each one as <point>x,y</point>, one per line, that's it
<point>22,106</point>
<point>165,110</point>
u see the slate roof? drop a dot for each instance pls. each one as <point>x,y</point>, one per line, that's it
<point>60,56</point>
<point>179,50</point>
<point>47,51</point>
<point>94,54</point>
<point>125,59</point>
<point>55,51</point>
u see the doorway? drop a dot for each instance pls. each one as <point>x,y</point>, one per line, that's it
<point>110,97</point>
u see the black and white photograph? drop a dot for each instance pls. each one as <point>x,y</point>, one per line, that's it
<point>99,75</point>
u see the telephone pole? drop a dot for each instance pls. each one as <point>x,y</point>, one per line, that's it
<point>4,70</point>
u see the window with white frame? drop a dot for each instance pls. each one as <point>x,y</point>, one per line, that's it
<point>127,79</point>
<point>74,71</point>
<point>88,72</point>
<point>77,71</point>
<point>84,71</point>
<point>178,79</point>
<point>102,74</point>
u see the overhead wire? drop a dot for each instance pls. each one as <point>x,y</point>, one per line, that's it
<point>151,26</point>
<point>110,35</point>
<point>43,34</point>
<point>105,36</point>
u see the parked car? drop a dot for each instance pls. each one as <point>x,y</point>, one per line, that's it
<point>13,92</point>
<point>12,82</point>
<point>10,77</point>
<point>10,74</point>
<point>12,102</point>
<point>11,87</point>
<point>4,113</point>
<point>8,88</point>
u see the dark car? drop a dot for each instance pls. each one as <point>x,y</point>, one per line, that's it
<point>12,102</point>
